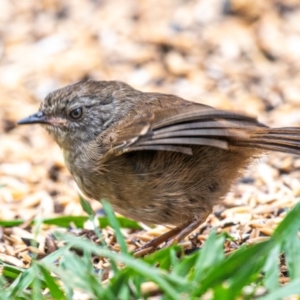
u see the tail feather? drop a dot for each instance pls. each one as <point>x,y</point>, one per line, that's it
<point>272,147</point>
<point>286,139</point>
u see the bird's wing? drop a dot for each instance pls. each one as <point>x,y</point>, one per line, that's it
<point>176,129</point>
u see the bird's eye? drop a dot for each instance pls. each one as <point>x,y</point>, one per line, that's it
<point>76,113</point>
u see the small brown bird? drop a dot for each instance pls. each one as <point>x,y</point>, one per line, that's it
<point>157,158</point>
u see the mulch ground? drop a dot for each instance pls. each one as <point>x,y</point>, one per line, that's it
<point>241,55</point>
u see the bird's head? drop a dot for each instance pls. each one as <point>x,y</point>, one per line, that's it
<point>78,113</point>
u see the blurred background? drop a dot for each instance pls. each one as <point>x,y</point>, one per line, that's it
<point>241,55</point>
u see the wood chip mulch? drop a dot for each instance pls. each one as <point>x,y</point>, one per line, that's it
<point>237,55</point>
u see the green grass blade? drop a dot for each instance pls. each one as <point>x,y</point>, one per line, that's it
<point>292,254</point>
<point>239,267</point>
<point>11,272</point>
<point>86,206</point>
<point>21,283</point>
<point>289,226</point>
<point>36,292</point>
<point>271,269</point>
<point>115,225</point>
<point>208,258</point>
<point>292,288</point>
<point>164,280</point>
<point>78,221</point>
<point>51,283</point>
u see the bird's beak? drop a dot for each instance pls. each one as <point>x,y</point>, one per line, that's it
<point>39,117</point>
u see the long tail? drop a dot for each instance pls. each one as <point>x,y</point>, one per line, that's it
<point>285,139</point>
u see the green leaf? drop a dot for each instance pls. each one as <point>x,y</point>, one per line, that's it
<point>238,267</point>
<point>51,283</point>
<point>77,274</point>
<point>11,272</point>
<point>124,223</point>
<point>271,269</point>
<point>292,288</point>
<point>78,221</point>
<point>36,285</point>
<point>208,258</point>
<point>10,223</point>
<point>54,256</point>
<point>165,281</point>
<point>289,226</point>
<point>292,255</point>
<point>86,206</point>
<point>22,282</point>
<point>115,225</point>
<point>164,257</point>
<point>187,265</point>
<point>287,235</point>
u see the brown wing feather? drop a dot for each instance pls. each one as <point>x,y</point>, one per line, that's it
<point>193,113</point>
<point>178,128</point>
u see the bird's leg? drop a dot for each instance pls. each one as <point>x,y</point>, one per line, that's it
<point>171,237</point>
<point>184,232</point>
